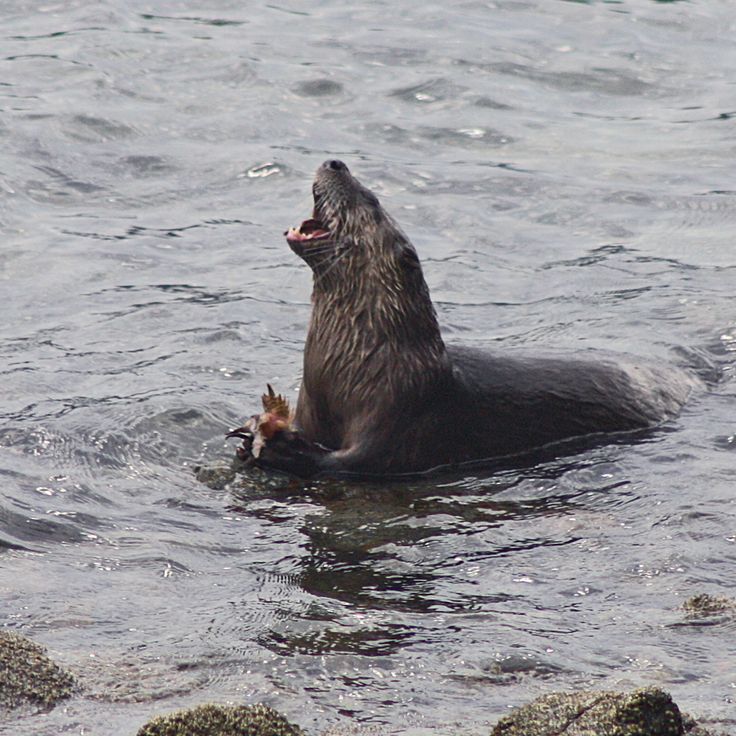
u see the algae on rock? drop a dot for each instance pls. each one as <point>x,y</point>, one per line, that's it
<point>28,676</point>
<point>221,720</point>
<point>644,712</point>
<point>704,605</point>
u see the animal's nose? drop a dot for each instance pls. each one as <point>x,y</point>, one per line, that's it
<point>335,165</point>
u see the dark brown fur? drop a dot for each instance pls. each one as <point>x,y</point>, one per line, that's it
<point>383,394</point>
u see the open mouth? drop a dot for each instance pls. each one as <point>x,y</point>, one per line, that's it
<point>311,230</point>
<point>314,229</point>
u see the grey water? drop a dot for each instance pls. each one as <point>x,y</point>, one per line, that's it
<point>567,173</point>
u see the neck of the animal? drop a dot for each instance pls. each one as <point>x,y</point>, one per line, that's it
<point>373,319</point>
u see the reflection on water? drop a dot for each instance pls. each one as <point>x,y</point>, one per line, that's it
<point>563,170</point>
<point>375,546</point>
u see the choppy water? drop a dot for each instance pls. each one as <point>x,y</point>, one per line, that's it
<point>566,171</point>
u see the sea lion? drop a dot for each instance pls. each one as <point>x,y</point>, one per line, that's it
<point>383,394</point>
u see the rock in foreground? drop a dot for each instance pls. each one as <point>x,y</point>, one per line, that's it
<point>28,676</point>
<point>221,720</point>
<point>645,712</point>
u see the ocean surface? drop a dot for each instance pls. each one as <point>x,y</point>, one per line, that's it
<point>566,171</point>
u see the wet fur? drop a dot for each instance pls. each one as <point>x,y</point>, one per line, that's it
<point>383,393</point>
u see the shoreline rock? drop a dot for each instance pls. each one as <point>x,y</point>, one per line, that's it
<point>28,676</point>
<point>643,712</point>
<point>221,720</point>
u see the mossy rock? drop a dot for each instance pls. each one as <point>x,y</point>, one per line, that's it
<point>221,720</point>
<point>645,712</point>
<point>705,605</point>
<point>28,676</point>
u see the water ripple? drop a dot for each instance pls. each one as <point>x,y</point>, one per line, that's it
<point>563,170</point>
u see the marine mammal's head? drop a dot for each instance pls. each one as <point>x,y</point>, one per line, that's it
<point>368,283</point>
<point>356,250</point>
<point>343,210</point>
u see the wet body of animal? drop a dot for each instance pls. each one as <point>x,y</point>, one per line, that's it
<point>383,394</point>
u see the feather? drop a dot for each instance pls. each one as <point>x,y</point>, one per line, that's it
<point>276,404</point>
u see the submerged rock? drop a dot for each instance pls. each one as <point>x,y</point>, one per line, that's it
<point>644,712</point>
<point>222,720</point>
<point>218,477</point>
<point>28,676</point>
<point>705,605</point>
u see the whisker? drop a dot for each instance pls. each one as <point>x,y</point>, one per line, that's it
<point>319,249</point>
<point>320,276</point>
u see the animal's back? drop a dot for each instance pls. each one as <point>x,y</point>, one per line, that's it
<point>515,402</point>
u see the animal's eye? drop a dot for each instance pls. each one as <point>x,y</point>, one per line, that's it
<point>409,255</point>
<point>371,198</point>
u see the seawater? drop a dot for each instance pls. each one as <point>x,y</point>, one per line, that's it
<point>565,170</point>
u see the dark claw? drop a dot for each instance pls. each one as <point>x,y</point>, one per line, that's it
<point>247,431</point>
<point>244,454</point>
<point>242,433</point>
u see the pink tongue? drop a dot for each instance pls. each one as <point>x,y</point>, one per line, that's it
<point>312,229</point>
<point>311,226</point>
